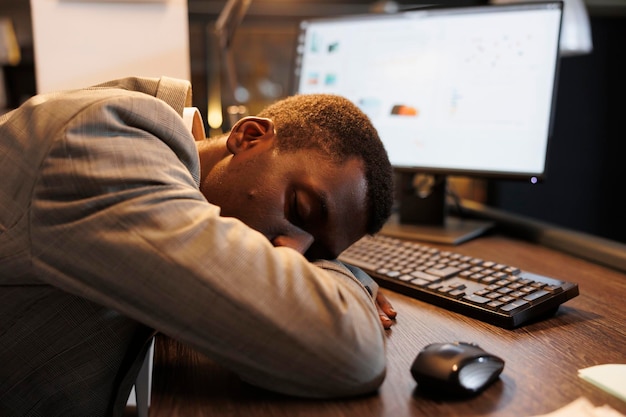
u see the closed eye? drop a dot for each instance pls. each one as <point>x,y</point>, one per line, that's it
<point>295,215</point>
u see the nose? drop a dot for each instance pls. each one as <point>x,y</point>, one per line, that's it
<point>299,241</point>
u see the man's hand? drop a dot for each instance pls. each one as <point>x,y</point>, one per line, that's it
<point>385,310</point>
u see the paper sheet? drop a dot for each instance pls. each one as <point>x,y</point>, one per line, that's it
<point>583,408</point>
<point>610,377</point>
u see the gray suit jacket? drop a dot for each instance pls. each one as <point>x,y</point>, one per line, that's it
<point>105,236</point>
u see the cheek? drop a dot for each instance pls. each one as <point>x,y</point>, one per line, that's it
<point>255,190</point>
<point>261,206</point>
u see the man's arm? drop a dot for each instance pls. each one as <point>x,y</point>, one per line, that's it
<point>117,218</point>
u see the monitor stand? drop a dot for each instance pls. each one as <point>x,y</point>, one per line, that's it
<point>423,214</point>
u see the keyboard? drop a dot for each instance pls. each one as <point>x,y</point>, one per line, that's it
<point>499,294</point>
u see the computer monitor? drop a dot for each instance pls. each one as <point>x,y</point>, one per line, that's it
<point>464,91</point>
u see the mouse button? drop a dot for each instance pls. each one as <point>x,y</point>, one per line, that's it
<point>477,374</point>
<point>449,350</point>
<point>468,344</point>
<point>430,364</point>
<point>435,356</point>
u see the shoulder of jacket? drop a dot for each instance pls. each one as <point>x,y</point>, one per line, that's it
<point>177,93</point>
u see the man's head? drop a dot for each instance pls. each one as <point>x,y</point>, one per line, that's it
<point>309,172</point>
<point>335,126</point>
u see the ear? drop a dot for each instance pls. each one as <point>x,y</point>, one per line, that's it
<point>249,132</point>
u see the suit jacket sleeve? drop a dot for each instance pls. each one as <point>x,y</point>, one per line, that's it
<point>116,217</point>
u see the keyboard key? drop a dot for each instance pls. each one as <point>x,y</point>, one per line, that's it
<point>457,293</point>
<point>515,306</point>
<point>495,304</point>
<point>425,276</point>
<point>476,299</point>
<point>537,296</point>
<point>420,282</point>
<point>445,272</point>
<point>553,288</point>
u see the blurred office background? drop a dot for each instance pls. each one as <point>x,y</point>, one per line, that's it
<point>586,173</point>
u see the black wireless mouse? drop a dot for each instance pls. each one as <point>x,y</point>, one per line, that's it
<point>455,369</point>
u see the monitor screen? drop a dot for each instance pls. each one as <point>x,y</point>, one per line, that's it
<point>454,90</point>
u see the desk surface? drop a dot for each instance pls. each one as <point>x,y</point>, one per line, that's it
<point>542,359</point>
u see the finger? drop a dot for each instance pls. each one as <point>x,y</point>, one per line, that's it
<point>385,306</point>
<point>384,320</point>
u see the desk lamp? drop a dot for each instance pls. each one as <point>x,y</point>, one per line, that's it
<point>9,54</point>
<point>225,27</point>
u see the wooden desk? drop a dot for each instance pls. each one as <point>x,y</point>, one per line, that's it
<point>542,359</point>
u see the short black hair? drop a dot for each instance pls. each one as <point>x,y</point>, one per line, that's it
<point>337,127</point>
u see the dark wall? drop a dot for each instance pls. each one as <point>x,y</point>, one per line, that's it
<point>586,173</point>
